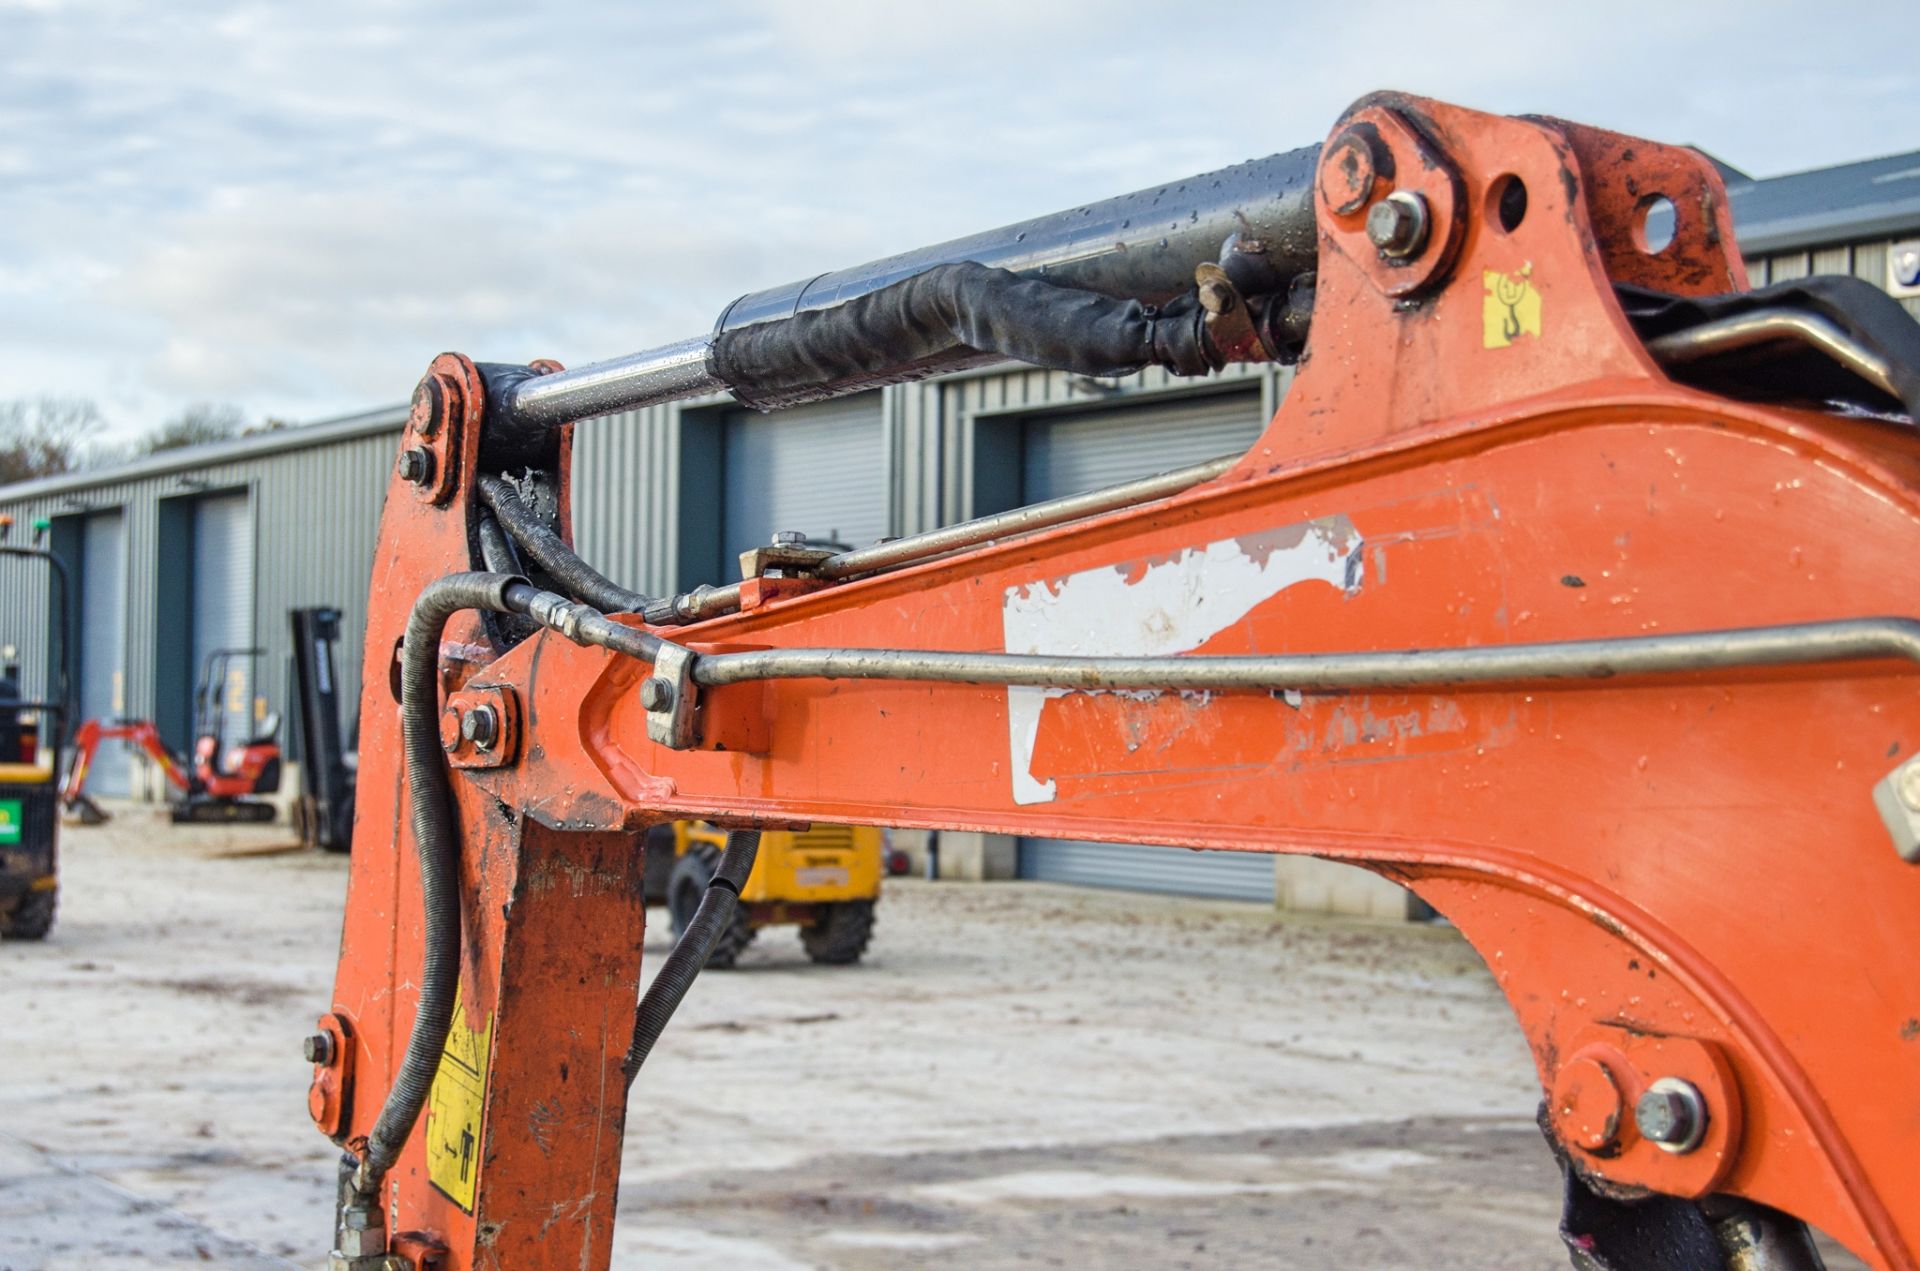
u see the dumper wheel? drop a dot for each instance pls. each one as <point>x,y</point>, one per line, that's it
<point>31,918</point>
<point>691,874</point>
<point>841,934</point>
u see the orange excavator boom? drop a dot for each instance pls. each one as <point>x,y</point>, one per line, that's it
<point>1569,587</point>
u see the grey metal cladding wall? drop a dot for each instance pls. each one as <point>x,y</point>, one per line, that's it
<point>316,518</point>
<point>625,517</point>
<point>1176,871</point>
<point>820,469</point>
<point>1866,260</point>
<point>100,652</point>
<point>933,423</point>
<point>1070,453</point>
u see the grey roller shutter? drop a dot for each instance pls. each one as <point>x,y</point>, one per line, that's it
<point>223,602</point>
<point>819,469</point>
<point>1073,453</point>
<point>102,646</point>
<point>1068,454</point>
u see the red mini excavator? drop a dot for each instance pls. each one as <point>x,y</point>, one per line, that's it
<point>1631,543</point>
<point>223,782</point>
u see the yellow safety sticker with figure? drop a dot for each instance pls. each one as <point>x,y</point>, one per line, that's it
<point>454,1106</point>
<point>1512,307</point>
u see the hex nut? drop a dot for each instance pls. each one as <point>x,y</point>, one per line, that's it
<point>789,538</point>
<point>480,726</point>
<point>656,694</point>
<point>416,465</point>
<point>1671,1115</point>
<point>318,1048</point>
<point>1397,225</point>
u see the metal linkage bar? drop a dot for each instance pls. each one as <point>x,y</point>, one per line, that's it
<point>1795,644</point>
<point>1767,326</point>
<point>708,602</point>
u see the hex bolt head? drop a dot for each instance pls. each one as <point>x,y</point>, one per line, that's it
<point>480,726</point>
<point>1909,785</point>
<point>789,538</point>
<point>656,694</point>
<point>318,1048</point>
<point>416,465</point>
<point>1397,225</point>
<point>1671,1115</point>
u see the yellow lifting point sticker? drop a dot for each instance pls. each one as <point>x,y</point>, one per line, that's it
<point>454,1106</point>
<point>1512,307</point>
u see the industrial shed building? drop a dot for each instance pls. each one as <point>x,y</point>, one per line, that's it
<point>190,551</point>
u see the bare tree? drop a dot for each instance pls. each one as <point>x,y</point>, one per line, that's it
<point>44,436</point>
<point>197,425</point>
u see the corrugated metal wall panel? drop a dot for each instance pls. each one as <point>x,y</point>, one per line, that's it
<point>1071,453</point>
<point>820,469</point>
<point>317,514</point>
<point>1177,871</point>
<point>100,661</point>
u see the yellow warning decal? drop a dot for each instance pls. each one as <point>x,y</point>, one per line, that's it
<point>1512,307</point>
<point>454,1107</point>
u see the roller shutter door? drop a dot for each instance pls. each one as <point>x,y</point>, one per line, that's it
<point>100,652</point>
<point>1069,454</point>
<point>223,603</point>
<point>820,469</point>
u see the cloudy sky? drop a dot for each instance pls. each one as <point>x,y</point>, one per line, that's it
<point>292,207</point>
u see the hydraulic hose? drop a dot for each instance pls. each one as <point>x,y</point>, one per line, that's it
<point>958,314</point>
<point>691,950</point>
<point>436,842</point>
<point>551,553</point>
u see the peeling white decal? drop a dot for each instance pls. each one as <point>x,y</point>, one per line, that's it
<point>1158,608</point>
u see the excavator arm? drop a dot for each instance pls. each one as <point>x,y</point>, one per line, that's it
<point>1568,587</point>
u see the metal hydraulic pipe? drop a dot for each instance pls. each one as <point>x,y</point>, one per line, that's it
<point>1796,644</point>
<point>708,602</point>
<point>1143,246</point>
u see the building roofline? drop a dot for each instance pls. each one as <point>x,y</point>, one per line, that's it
<point>1897,220</point>
<point>304,437</point>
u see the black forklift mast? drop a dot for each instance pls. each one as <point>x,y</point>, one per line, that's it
<point>324,810</point>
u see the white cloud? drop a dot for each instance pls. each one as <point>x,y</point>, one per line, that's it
<point>294,207</point>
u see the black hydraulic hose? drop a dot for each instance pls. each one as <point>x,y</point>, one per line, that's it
<point>548,551</point>
<point>436,831</point>
<point>950,315</point>
<point>436,841</point>
<point>691,950</point>
<point>496,549</point>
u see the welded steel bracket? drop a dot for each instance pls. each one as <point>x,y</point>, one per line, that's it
<point>670,697</point>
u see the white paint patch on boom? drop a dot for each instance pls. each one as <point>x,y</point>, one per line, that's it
<point>1158,608</point>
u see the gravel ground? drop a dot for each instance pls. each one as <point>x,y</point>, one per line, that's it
<point>1019,1075</point>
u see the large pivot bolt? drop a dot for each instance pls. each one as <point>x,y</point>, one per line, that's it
<point>480,726</point>
<point>416,465</point>
<point>1672,1115</point>
<point>1397,225</point>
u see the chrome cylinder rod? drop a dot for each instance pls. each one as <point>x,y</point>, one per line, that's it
<point>1143,246</point>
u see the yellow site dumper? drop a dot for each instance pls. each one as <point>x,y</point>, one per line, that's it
<point>825,880</point>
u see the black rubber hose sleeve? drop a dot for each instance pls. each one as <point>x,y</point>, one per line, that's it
<point>887,335</point>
